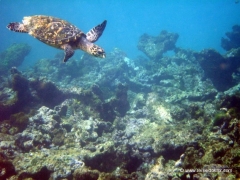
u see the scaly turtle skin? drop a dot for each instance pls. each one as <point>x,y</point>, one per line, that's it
<point>61,34</point>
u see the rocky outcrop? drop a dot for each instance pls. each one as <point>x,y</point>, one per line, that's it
<point>232,40</point>
<point>219,68</point>
<point>154,47</point>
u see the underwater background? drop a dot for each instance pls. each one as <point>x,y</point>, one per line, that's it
<point>200,24</point>
<point>164,104</point>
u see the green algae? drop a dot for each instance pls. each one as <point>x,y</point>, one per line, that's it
<point>220,117</point>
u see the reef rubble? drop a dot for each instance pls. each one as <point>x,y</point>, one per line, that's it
<point>166,117</point>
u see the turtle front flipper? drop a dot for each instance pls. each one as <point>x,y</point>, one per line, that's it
<point>96,32</point>
<point>17,27</point>
<point>68,50</point>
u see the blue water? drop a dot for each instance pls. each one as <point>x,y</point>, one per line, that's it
<point>200,24</point>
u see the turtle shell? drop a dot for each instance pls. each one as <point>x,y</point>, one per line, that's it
<point>50,30</point>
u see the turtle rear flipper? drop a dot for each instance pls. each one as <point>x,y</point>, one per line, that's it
<point>68,50</point>
<point>96,32</point>
<point>17,27</point>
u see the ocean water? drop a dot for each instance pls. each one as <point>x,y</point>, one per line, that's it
<point>114,115</point>
<point>200,24</point>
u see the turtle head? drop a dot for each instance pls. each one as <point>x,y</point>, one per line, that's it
<point>97,51</point>
<point>91,48</point>
<point>17,27</point>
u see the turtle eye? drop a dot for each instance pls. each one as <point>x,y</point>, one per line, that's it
<point>101,53</point>
<point>15,26</point>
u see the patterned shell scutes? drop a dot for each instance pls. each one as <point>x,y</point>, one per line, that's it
<point>50,30</point>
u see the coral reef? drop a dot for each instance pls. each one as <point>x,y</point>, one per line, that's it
<point>171,117</point>
<point>232,40</point>
<point>13,56</point>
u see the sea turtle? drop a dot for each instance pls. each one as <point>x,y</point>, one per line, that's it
<point>61,34</point>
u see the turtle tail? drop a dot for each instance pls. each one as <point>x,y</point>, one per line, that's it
<point>17,27</point>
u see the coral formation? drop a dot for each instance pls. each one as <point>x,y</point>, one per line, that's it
<point>219,68</point>
<point>118,105</point>
<point>232,40</point>
<point>19,98</point>
<point>19,120</point>
<point>13,56</point>
<point>47,92</point>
